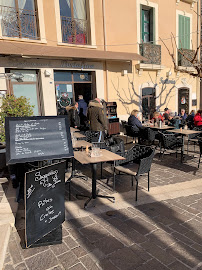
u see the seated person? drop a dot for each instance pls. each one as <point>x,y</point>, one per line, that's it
<point>183,116</point>
<point>198,119</point>
<point>166,114</point>
<point>174,120</point>
<point>134,121</point>
<point>157,117</point>
<point>190,119</point>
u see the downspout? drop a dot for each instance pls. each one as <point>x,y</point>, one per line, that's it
<point>105,46</point>
<point>199,13</point>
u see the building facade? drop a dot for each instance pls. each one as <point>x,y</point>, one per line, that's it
<point>54,50</point>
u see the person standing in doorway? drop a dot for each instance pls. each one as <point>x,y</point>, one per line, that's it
<point>96,117</point>
<point>82,105</point>
<point>73,115</point>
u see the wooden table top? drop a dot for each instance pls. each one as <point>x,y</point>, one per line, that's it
<point>83,157</point>
<point>81,143</point>
<point>79,135</point>
<point>185,132</point>
<point>74,129</point>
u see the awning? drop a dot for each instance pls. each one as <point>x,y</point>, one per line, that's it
<point>45,51</point>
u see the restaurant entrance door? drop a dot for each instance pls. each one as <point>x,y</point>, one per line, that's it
<point>148,102</point>
<point>70,84</point>
<point>183,99</point>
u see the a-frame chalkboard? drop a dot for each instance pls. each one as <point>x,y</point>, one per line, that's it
<point>44,201</point>
<point>37,138</point>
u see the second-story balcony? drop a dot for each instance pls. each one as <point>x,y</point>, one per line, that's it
<point>19,23</point>
<point>74,31</point>
<point>152,52</point>
<point>183,61</point>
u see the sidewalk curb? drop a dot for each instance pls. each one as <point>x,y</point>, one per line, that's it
<point>8,210</point>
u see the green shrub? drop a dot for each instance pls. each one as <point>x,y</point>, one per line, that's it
<point>12,106</point>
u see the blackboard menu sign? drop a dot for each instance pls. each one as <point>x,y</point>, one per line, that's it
<point>44,201</point>
<point>37,138</point>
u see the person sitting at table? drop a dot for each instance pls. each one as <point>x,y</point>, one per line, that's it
<point>166,114</point>
<point>134,121</point>
<point>173,120</point>
<point>198,119</point>
<point>157,117</point>
<point>190,119</point>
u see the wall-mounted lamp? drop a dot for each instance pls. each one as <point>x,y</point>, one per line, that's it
<point>168,74</point>
<point>47,73</point>
<point>124,72</point>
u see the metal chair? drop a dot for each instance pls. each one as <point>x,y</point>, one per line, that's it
<point>135,170</point>
<point>131,133</point>
<point>193,138</point>
<point>169,142</point>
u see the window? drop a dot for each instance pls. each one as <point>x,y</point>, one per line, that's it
<point>74,21</point>
<point>19,18</point>
<point>25,83</point>
<point>147,24</point>
<point>184,32</point>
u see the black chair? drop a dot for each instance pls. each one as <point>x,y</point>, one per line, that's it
<point>200,147</point>
<point>193,138</point>
<point>169,141</point>
<point>124,123</point>
<point>141,158</point>
<point>92,136</point>
<point>131,133</point>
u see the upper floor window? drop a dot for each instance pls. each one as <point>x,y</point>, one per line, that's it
<point>184,32</point>
<point>74,21</point>
<point>19,19</point>
<point>147,24</point>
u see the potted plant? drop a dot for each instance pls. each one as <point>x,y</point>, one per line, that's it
<point>12,106</point>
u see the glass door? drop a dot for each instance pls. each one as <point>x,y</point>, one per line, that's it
<point>64,95</point>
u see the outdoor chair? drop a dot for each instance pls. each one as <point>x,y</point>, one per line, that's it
<point>138,162</point>
<point>200,147</point>
<point>92,136</point>
<point>193,138</point>
<point>169,141</point>
<point>131,133</point>
<point>148,136</point>
<point>124,123</point>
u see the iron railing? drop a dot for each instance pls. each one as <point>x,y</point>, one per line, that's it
<point>183,60</point>
<point>152,52</point>
<point>18,23</point>
<point>74,31</point>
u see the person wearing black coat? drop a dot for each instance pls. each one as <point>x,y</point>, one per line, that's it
<point>73,115</point>
<point>134,121</point>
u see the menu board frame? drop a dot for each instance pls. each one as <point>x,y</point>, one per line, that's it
<point>36,158</point>
<point>47,186</point>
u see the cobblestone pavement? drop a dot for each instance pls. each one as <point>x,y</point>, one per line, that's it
<point>162,235</point>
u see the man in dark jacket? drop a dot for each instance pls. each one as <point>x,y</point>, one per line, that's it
<point>82,105</point>
<point>96,117</point>
<point>73,115</point>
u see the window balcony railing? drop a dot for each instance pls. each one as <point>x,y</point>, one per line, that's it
<point>182,60</point>
<point>152,52</point>
<point>74,31</point>
<point>19,23</point>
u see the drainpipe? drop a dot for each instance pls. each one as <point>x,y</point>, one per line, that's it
<point>105,47</point>
<point>199,13</point>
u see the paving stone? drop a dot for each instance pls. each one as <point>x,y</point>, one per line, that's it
<point>183,238</point>
<point>14,252</point>
<point>108,245</point>
<point>179,228</point>
<point>153,265</point>
<point>94,232</point>
<point>125,259</point>
<point>59,249</point>
<point>161,238</point>
<point>143,227</point>
<point>140,252</point>
<point>43,260</point>
<point>21,266</point>
<point>71,243</point>
<point>78,266</point>
<point>105,264</point>
<point>185,254</point>
<point>68,259</point>
<point>88,262</point>
<point>177,265</point>
<point>136,237</point>
<point>82,222</point>
<point>158,253</point>
<point>7,259</point>
<point>79,251</point>
<point>29,252</point>
<point>8,267</point>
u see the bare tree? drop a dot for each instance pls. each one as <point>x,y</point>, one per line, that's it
<point>191,59</point>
